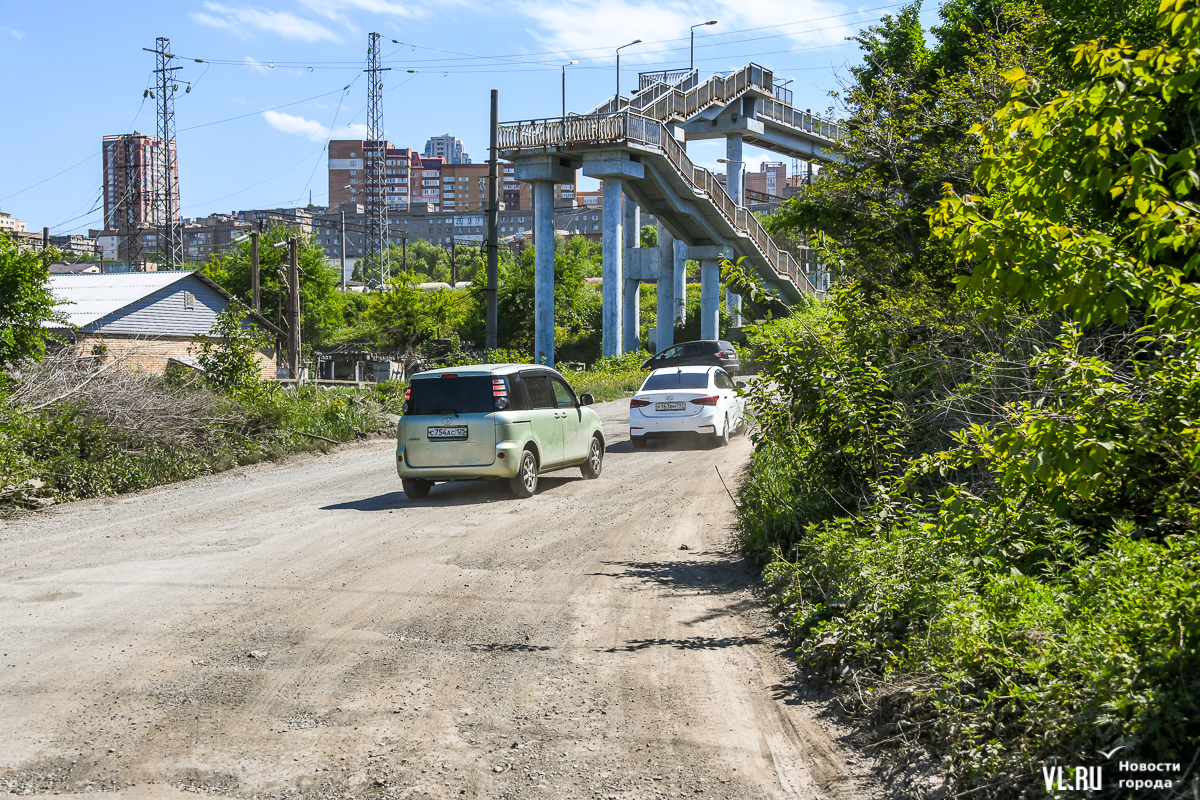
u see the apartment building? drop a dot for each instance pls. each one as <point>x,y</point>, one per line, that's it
<point>769,180</point>
<point>133,164</point>
<point>75,244</point>
<point>10,224</point>
<point>448,147</point>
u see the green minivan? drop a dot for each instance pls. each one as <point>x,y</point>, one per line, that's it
<point>491,422</point>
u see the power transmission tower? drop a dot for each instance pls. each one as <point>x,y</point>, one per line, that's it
<point>375,158</point>
<point>131,205</point>
<point>165,197</point>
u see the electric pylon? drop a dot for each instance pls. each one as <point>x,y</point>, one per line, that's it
<point>165,197</point>
<point>131,205</point>
<point>375,159</point>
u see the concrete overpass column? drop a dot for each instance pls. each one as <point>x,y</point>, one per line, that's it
<point>543,273</point>
<point>735,169</point>
<point>543,171</point>
<point>613,274</point>
<point>665,311</point>
<point>710,288</point>
<point>631,310</point>
<point>733,304</point>
<point>614,167</point>
<point>680,277</point>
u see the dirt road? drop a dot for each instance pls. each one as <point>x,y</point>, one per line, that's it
<point>304,630</point>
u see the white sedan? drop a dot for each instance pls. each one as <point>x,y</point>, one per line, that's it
<point>686,400</point>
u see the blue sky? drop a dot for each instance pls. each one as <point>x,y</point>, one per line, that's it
<point>271,88</point>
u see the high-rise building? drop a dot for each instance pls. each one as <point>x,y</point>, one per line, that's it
<point>448,147</point>
<point>769,180</point>
<point>134,165</point>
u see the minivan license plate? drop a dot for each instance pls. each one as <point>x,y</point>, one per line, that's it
<point>444,433</point>
<point>668,406</point>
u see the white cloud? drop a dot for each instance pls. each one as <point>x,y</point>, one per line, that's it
<point>577,26</point>
<point>16,34</point>
<point>243,21</point>
<point>291,123</point>
<point>335,9</point>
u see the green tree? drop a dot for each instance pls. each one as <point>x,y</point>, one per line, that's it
<point>230,353</point>
<point>909,109</point>
<point>321,302</point>
<point>25,303</point>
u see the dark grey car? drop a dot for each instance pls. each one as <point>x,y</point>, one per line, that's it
<point>703,353</point>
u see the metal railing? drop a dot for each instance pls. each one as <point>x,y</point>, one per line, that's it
<point>626,126</point>
<point>663,101</point>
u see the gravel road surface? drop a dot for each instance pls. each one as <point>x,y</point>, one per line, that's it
<point>303,630</point>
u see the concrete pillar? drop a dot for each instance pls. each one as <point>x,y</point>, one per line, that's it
<point>710,288</point>
<point>680,277</point>
<point>665,312</point>
<point>735,169</point>
<point>543,273</point>
<point>631,305</point>
<point>733,304</point>
<point>614,275</point>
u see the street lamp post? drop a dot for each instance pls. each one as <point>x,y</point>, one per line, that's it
<point>564,86</point>
<point>617,99</point>
<point>692,31</point>
<point>741,179</point>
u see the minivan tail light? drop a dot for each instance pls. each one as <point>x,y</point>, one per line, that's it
<point>704,401</point>
<point>450,375</point>
<point>638,403</point>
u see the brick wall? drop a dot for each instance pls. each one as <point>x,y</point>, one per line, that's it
<point>151,355</point>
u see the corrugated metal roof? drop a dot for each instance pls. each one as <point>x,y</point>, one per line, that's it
<point>83,299</point>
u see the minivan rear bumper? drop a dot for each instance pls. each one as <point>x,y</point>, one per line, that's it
<point>505,465</point>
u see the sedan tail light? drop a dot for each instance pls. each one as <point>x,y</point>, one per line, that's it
<point>705,401</point>
<point>635,403</point>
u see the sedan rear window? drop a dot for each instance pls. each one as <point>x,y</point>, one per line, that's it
<point>676,380</point>
<point>468,394</point>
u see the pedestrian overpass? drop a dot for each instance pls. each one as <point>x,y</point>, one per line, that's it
<point>638,148</point>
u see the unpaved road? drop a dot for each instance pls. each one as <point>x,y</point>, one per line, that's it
<point>303,630</point>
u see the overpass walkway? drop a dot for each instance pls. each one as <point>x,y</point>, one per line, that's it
<point>638,150</point>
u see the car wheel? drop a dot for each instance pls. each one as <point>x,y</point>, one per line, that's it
<point>526,480</point>
<point>638,442</point>
<point>415,488</point>
<point>595,462</point>
<point>721,439</point>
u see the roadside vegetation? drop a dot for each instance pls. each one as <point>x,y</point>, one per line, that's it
<point>409,320</point>
<point>974,490</point>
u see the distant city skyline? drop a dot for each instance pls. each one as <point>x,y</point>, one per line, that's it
<point>272,83</point>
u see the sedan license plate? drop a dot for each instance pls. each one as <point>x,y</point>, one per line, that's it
<point>441,434</point>
<point>668,406</point>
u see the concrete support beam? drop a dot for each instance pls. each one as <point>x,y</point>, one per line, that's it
<point>544,167</point>
<point>664,319</point>
<point>710,286</point>
<point>733,304</point>
<point>735,168</point>
<point>543,272</point>
<point>631,301</point>
<point>679,274</point>
<point>613,274</point>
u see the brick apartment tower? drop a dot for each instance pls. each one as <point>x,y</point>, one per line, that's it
<point>131,202</point>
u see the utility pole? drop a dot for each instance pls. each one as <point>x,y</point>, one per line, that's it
<point>166,178</point>
<point>293,308</point>
<point>404,253</point>
<point>493,254</point>
<point>254,273</point>
<point>374,161</point>
<point>453,265</point>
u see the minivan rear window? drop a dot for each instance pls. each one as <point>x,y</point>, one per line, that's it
<point>676,380</point>
<point>467,394</point>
